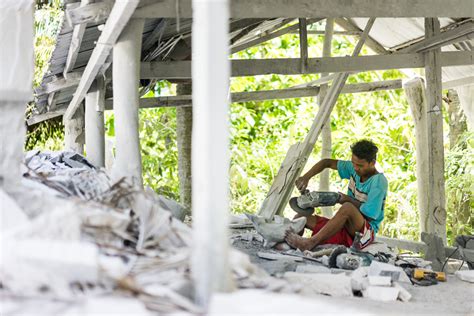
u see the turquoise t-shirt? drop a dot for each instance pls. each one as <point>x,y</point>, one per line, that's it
<point>371,193</point>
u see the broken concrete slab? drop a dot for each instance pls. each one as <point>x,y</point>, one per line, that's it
<point>381,293</point>
<point>338,285</point>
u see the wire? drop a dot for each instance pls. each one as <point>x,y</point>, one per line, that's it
<point>449,257</point>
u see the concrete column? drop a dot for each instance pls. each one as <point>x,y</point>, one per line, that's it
<point>126,75</point>
<point>12,139</point>
<point>16,81</point>
<point>184,128</point>
<point>94,123</point>
<point>210,148</point>
<point>74,132</point>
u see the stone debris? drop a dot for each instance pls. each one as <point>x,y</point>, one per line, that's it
<point>381,293</point>
<point>380,280</point>
<point>338,285</point>
<point>274,231</point>
<point>403,295</point>
<point>277,256</point>
<point>465,275</point>
<point>310,268</point>
<point>70,232</point>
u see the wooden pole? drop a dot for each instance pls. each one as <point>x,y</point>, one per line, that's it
<point>74,132</point>
<point>184,127</point>
<point>326,150</point>
<point>436,223</point>
<point>416,97</point>
<point>126,74</point>
<point>210,148</point>
<point>94,123</point>
<point>303,28</point>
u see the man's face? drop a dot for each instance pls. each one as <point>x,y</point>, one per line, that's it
<point>362,167</point>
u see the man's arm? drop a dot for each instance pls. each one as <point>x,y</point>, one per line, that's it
<point>346,198</point>
<point>302,182</point>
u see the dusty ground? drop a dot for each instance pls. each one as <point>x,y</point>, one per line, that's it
<point>446,298</point>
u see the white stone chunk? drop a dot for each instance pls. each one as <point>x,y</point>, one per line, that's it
<point>11,215</point>
<point>465,275</point>
<point>377,267</point>
<point>403,295</point>
<point>381,293</point>
<point>380,280</point>
<point>338,285</point>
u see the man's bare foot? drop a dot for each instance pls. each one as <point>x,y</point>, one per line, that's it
<point>299,242</point>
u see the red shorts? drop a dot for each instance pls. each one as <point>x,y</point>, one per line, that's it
<point>343,237</point>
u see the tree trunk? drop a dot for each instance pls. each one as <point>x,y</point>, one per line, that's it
<point>184,127</point>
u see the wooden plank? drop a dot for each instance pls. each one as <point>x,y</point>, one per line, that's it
<point>436,220</point>
<point>320,8</point>
<point>458,82</point>
<point>91,13</point>
<point>418,246</point>
<point>291,66</point>
<point>461,33</point>
<point>72,80</point>
<point>265,38</point>
<point>349,25</point>
<point>121,13</point>
<point>326,141</point>
<point>73,52</point>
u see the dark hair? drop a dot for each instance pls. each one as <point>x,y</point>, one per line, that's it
<point>365,149</point>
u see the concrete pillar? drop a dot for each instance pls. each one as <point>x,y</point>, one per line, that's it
<point>94,123</point>
<point>184,128</point>
<point>74,137</point>
<point>126,75</point>
<point>16,81</point>
<point>210,148</point>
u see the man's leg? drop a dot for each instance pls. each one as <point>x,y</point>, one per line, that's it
<point>348,216</point>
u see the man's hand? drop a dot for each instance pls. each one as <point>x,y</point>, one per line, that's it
<point>301,183</point>
<point>343,198</point>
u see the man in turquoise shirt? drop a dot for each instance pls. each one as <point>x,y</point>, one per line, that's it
<point>362,208</point>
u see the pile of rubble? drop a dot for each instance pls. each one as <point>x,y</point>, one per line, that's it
<point>71,232</point>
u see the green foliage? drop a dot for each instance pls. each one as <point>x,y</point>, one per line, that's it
<point>459,187</point>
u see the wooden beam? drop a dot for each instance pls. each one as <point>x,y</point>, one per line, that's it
<point>341,33</point>
<point>436,220</point>
<point>320,8</point>
<point>467,81</point>
<point>460,33</point>
<point>350,26</point>
<point>91,13</point>
<point>303,29</point>
<point>418,246</point>
<point>118,19</point>
<point>76,41</point>
<point>72,80</point>
<point>265,38</point>
<point>416,97</point>
<point>326,140</point>
<point>236,97</point>
<point>291,66</point>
